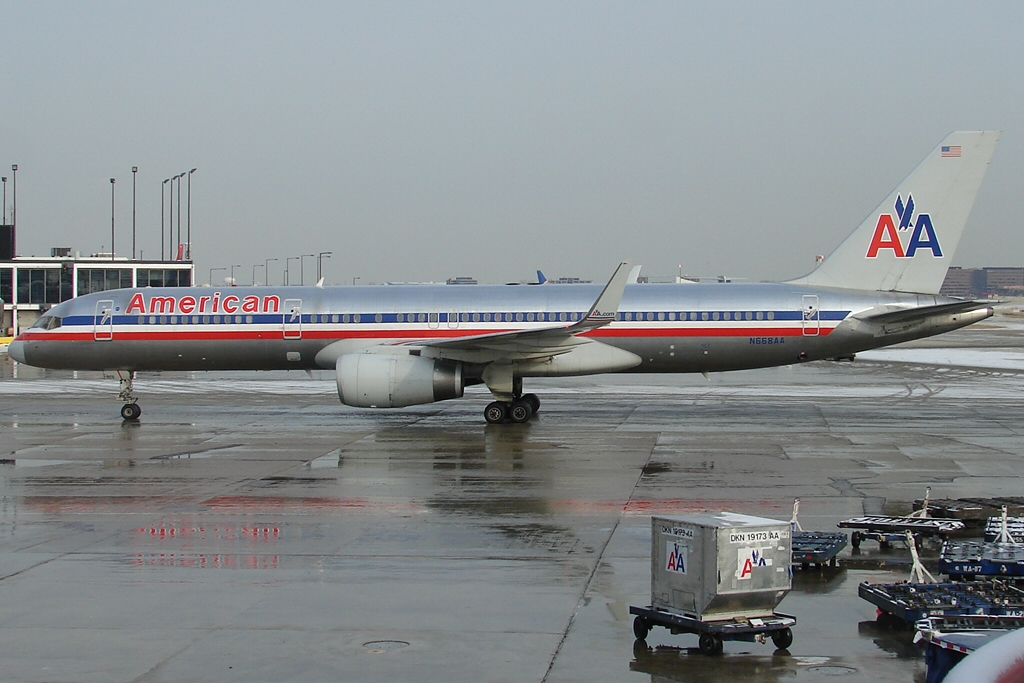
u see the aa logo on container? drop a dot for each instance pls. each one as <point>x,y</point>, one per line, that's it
<point>677,557</point>
<point>749,558</point>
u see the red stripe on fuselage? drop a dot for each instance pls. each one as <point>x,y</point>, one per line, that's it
<point>334,334</point>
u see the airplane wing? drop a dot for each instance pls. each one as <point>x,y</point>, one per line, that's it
<point>536,342</point>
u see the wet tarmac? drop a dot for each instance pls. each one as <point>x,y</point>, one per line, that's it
<point>251,528</point>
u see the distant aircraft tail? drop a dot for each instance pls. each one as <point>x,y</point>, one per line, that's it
<point>907,243</point>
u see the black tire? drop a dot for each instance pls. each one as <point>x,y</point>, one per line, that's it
<point>855,539</point>
<point>534,402</point>
<point>520,412</point>
<point>131,411</point>
<point>641,628</point>
<point>496,412</point>
<point>709,644</point>
<point>783,638</point>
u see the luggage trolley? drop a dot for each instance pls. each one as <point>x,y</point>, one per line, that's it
<point>886,530</point>
<point>712,634</point>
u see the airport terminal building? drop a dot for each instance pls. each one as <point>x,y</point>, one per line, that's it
<point>30,285</point>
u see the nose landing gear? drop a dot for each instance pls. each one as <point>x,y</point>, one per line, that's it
<point>130,411</point>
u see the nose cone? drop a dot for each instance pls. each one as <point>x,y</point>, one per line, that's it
<point>17,350</point>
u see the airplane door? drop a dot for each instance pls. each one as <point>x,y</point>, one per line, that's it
<point>433,320</point>
<point>453,320</point>
<point>103,323</point>
<point>810,318</point>
<point>292,319</point>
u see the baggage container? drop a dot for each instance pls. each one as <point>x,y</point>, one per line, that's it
<point>720,566</point>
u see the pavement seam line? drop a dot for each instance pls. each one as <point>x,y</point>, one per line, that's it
<point>597,564</point>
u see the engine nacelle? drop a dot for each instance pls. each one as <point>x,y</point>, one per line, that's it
<point>368,380</point>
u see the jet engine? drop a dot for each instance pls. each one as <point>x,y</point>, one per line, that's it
<point>369,380</point>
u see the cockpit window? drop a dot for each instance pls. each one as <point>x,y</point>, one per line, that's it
<point>47,322</point>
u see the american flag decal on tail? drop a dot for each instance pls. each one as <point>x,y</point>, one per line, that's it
<point>950,151</point>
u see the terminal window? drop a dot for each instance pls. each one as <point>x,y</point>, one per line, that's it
<point>42,285</point>
<point>6,285</point>
<point>101,279</point>
<point>163,277</point>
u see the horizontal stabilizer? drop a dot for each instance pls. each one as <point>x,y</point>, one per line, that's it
<point>921,312</point>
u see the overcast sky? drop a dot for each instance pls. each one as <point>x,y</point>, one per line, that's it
<point>419,141</point>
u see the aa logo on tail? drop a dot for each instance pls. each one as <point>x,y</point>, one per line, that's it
<point>887,236</point>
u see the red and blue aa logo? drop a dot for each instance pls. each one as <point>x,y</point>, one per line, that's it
<point>888,237</point>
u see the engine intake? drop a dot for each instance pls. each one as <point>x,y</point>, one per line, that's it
<point>368,380</point>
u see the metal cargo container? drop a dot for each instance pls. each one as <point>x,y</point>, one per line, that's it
<point>718,566</point>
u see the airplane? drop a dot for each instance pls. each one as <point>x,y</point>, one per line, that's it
<point>394,346</point>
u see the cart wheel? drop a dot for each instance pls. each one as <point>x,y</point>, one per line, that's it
<point>641,628</point>
<point>855,539</point>
<point>710,644</point>
<point>783,638</point>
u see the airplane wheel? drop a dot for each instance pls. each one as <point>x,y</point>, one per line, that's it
<point>496,412</point>
<point>534,402</point>
<point>520,412</point>
<point>131,411</point>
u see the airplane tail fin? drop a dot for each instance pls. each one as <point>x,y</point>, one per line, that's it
<point>907,243</point>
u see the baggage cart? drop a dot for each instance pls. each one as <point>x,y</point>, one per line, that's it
<point>817,547</point>
<point>886,530</point>
<point>712,634</point>
<point>912,602</point>
<point>967,559</point>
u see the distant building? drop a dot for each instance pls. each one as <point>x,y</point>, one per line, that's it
<point>963,282</point>
<point>462,280</point>
<point>1005,280</point>
<point>980,282</point>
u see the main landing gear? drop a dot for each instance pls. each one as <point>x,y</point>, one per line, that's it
<point>130,411</point>
<point>518,411</point>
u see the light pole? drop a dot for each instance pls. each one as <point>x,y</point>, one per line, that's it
<point>162,218</point>
<point>14,208</point>
<point>5,200</point>
<point>111,219</point>
<point>302,268</point>
<point>254,267</point>
<point>188,209</point>
<point>320,264</point>
<point>288,269</point>
<point>179,209</point>
<point>266,269</point>
<point>237,265</point>
<point>135,169</point>
<point>211,274</point>
<point>170,222</point>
